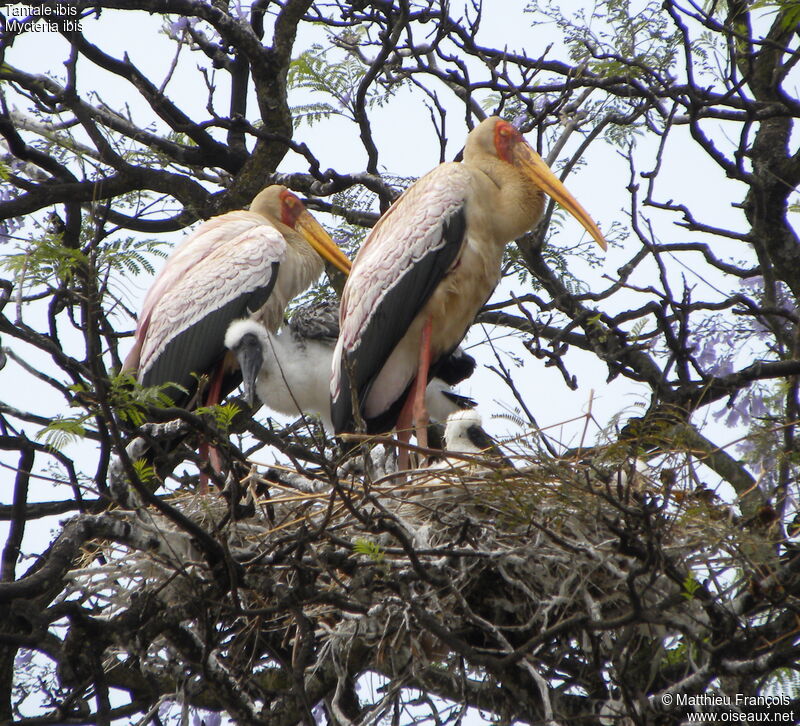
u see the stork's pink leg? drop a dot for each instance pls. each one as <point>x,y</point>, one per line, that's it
<point>404,423</point>
<point>215,388</point>
<point>421,384</point>
<point>214,397</point>
<point>207,452</point>
<point>414,412</point>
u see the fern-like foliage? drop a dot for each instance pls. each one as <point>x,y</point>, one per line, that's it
<point>145,473</point>
<point>369,548</point>
<point>783,682</point>
<point>334,80</point>
<point>311,71</point>
<point>222,413</point>
<point>131,255</point>
<point>131,401</point>
<point>63,430</point>
<point>44,261</point>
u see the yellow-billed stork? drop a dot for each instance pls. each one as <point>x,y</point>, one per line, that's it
<point>426,269</point>
<point>245,263</point>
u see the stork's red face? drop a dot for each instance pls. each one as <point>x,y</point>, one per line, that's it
<point>295,215</point>
<point>291,208</point>
<point>512,148</point>
<point>506,137</point>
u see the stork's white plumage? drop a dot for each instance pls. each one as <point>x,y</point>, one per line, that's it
<point>242,263</point>
<point>426,269</point>
<point>464,434</point>
<point>288,374</point>
<point>289,370</point>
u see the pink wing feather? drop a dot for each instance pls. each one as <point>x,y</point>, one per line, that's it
<point>202,242</point>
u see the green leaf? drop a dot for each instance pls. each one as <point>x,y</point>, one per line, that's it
<point>335,73</point>
<point>130,400</point>
<point>44,261</point>
<point>130,255</point>
<point>145,472</point>
<point>63,430</point>
<point>223,414</point>
<point>371,549</point>
<point>690,587</point>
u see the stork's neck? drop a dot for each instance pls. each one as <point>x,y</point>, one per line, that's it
<point>302,265</point>
<point>312,263</point>
<point>515,204</point>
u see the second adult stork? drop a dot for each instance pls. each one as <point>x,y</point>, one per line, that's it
<point>426,269</point>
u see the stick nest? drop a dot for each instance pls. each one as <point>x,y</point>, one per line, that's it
<point>540,571</point>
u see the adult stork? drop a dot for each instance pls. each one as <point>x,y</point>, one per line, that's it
<point>289,370</point>
<point>426,269</point>
<point>245,263</point>
<point>239,264</point>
